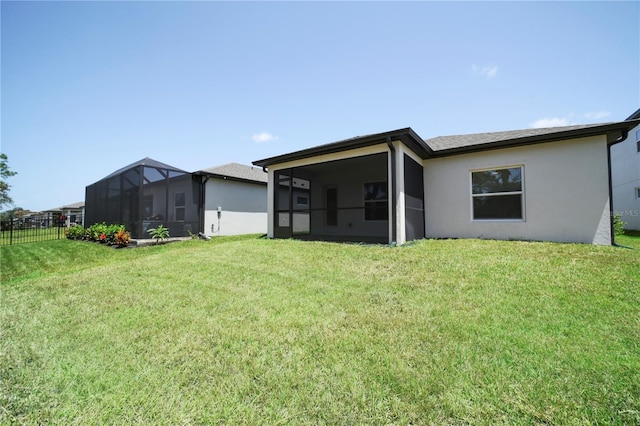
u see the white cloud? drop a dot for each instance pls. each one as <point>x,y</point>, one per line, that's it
<point>263,137</point>
<point>487,71</point>
<point>549,122</point>
<point>570,120</point>
<point>597,115</point>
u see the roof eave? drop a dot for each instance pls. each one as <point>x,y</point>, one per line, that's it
<point>634,115</point>
<point>406,135</point>
<point>226,177</point>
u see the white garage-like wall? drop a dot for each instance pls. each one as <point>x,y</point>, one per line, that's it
<point>243,207</point>
<point>625,178</point>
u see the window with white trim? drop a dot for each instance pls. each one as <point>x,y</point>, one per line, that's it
<point>180,203</point>
<point>497,194</point>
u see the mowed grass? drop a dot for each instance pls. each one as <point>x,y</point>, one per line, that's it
<point>253,331</point>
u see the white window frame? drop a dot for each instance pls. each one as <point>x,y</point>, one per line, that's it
<point>497,194</point>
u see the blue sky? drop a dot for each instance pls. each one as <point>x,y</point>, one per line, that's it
<point>89,87</point>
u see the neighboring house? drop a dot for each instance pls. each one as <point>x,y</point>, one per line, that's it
<point>536,184</point>
<point>235,200</point>
<point>625,177</point>
<point>149,193</point>
<point>73,214</point>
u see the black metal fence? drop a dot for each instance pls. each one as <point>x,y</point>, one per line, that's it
<point>33,228</point>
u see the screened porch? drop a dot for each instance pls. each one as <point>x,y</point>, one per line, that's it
<point>342,200</point>
<point>144,195</point>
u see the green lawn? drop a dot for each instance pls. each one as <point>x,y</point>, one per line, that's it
<point>252,331</point>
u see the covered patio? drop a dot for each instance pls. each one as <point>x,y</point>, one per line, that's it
<point>341,200</point>
<point>366,189</point>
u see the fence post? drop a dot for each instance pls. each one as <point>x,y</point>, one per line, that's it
<point>10,229</point>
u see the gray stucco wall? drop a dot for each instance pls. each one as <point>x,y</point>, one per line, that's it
<point>243,205</point>
<point>566,193</point>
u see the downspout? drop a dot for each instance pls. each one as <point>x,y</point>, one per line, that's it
<point>624,135</point>
<point>393,189</point>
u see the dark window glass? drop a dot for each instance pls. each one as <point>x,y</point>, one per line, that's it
<point>498,207</point>
<point>375,191</point>
<point>492,181</point>
<point>376,206</point>
<point>180,200</point>
<point>180,205</point>
<point>497,194</point>
<point>376,210</point>
<point>147,206</point>
<point>332,206</point>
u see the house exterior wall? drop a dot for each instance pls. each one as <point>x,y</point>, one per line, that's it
<point>566,193</point>
<point>243,207</point>
<point>74,216</point>
<point>625,179</point>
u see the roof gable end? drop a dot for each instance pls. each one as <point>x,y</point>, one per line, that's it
<point>236,171</point>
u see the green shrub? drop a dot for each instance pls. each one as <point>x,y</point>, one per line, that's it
<point>75,232</point>
<point>160,233</point>
<point>113,235</point>
<point>618,224</point>
<point>110,233</point>
<point>96,232</point>
<point>122,237</point>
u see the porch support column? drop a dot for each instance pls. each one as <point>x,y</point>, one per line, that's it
<point>271,188</point>
<point>397,233</point>
<point>401,229</point>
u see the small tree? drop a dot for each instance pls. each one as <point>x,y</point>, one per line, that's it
<point>5,200</point>
<point>16,211</point>
<point>160,233</point>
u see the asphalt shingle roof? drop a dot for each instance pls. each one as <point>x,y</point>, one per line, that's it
<point>459,141</point>
<point>78,205</point>
<point>451,145</point>
<point>238,171</point>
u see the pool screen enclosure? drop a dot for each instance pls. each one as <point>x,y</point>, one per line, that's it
<point>146,194</point>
